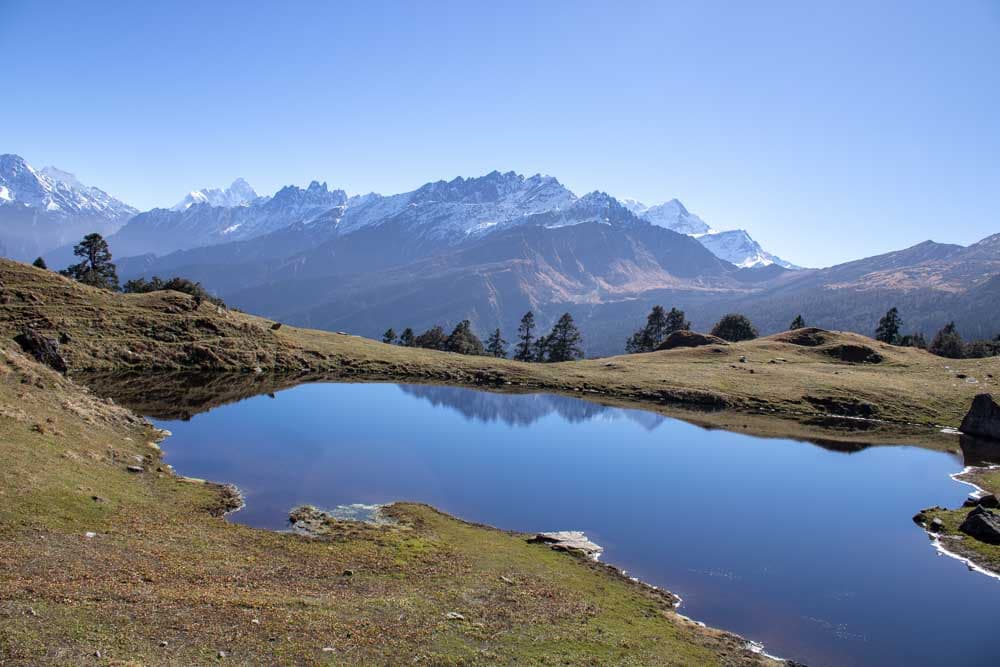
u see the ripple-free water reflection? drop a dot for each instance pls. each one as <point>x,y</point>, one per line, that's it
<point>808,550</point>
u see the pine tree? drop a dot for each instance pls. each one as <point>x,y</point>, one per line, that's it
<point>659,325</point>
<point>407,339</point>
<point>464,341</point>
<point>40,263</point>
<point>889,326</point>
<point>676,322</point>
<point>638,342</point>
<point>563,343</point>
<point>947,343</point>
<point>525,335</point>
<point>389,337</point>
<point>432,339</point>
<point>96,269</point>
<point>540,350</point>
<point>496,346</point>
<point>735,327</point>
<point>797,323</point>
<point>914,340</point>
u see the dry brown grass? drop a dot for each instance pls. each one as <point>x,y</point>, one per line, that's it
<point>781,376</point>
<point>162,566</point>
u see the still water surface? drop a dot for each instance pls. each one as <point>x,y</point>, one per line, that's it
<point>808,550</point>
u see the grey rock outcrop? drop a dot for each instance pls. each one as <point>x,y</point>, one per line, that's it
<point>44,350</point>
<point>983,418</point>
<point>983,525</point>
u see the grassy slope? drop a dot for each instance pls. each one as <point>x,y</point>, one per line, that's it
<point>164,566</point>
<point>165,330</point>
<point>983,554</point>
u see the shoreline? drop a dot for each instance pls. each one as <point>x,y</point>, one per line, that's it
<point>673,600</point>
<point>937,541</point>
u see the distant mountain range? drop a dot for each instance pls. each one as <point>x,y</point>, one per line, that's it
<point>47,208</point>
<point>488,249</point>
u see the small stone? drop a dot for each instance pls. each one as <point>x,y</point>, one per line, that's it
<point>134,469</point>
<point>347,573</point>
<point>222,654</point>
<point>743,359</point>
<point>163,644</point>
<point>255,621</point>
<point>506,580</point>
<point>97,654</point>
<point>454,616</point>
<point>328,649</point>
<point>90,535</point>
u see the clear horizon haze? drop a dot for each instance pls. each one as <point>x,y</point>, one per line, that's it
<point>830,131</point>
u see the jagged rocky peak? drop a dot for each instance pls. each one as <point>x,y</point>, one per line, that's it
<point>55,191</point>
<point>316,195</point>
<point>592,207</point>
<point>239,193</point>
<point>672,215</point>
<point>494,187</point>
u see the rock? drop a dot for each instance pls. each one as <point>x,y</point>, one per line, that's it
<point>90,535</point>
<point>569,540</point>
<point>347,573</point>
<point>983,418</point>
<point>983,525</point>
<point>743,359</point>
<point>689,339</point>
<point>222,654</point>
<point>855,354</point>
<point>981,498</point>
<point>44,350</point>
<point>807,336</point>
<point>454,616</point>
<point>275,326</point>
<point>163,644</point>
<point>937,525</point>
<point>134,469</point>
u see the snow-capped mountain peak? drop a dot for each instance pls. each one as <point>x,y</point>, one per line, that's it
<point>239,193</point>
<point>461,207</point>
<point>42,209</point>
<point>735,246</point>
<point>672,215</point>
<point>55,191</point>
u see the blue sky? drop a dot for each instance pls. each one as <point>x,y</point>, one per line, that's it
<point>829,130</point>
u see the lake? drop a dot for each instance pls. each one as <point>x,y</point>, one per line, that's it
<point>808,550</point>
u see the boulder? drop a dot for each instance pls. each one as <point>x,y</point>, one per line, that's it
<point>982,498</point>
<point>569,540</point>
<point>853,353</point>
<point>45,350</point>
<point>983,525</point>
<point>689,339</point>
<point>983,418</point>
